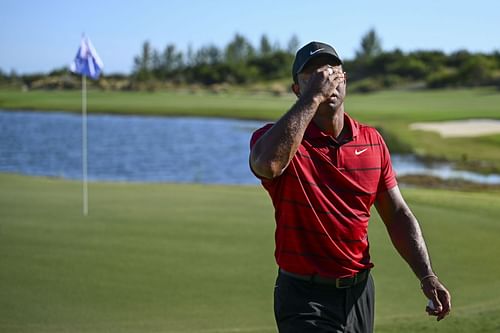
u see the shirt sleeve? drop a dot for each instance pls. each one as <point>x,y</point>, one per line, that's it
<point>387,176</point>
<point>258,133</point>
<point>255,137</point>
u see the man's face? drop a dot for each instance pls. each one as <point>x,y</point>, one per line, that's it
<point>311,67</point>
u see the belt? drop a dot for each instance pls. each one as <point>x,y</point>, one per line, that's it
<point>341,283</point>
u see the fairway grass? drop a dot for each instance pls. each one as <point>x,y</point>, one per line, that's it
<point>392,111</point>
<point>199,258</point>
<point>186,104</point>
<point>404,105</point>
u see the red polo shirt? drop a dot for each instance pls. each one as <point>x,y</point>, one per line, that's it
<point>323,198</point>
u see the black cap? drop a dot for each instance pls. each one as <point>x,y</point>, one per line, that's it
<point>310,51</point>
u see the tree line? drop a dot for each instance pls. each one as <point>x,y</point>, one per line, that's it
<point>373,68</point>
<point>239,62</point>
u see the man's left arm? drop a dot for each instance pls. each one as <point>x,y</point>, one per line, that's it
<point>406,235</point>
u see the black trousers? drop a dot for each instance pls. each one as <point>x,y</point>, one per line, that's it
<point>301,306</point>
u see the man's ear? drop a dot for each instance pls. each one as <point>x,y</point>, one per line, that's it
<point>296,89</point>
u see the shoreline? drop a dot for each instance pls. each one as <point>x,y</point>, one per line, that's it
<point>405,181</point>
<point>472,166</point>
<point>137,114</point>
<point>392,111</point>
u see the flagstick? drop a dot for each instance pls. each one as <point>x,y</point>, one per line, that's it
<point>84,146</point>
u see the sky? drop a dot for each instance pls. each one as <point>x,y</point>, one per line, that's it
<point>41,35</point>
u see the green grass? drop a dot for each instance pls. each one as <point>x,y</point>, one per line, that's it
<point>393,110</point>
<point>202,103</point>
<point>198,258</point>
<point>386,106</point>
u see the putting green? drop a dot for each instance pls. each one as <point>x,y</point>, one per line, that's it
<point>199,258</point>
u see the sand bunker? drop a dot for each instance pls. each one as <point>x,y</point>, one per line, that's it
<point>461,128</point>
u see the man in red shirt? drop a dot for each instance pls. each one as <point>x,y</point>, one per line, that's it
<point>323,171</point>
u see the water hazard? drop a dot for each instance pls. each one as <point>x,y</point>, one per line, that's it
<point>148,149</point>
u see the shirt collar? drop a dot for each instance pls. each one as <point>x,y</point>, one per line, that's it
<point>313,131</point>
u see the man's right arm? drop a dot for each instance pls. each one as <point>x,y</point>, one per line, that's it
<point>274,150</point>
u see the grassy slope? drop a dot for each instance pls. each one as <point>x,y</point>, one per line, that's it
<point>392,110</point>
<point>195,258</point>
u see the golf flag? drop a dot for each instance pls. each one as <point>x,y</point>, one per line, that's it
<point>87,62</point>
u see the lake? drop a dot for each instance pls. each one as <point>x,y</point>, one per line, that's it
<point>149,149</point>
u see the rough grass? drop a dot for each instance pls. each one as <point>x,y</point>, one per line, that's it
<point>198,258</point>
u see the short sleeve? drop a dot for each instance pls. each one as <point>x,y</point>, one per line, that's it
<point>258,133</point>
<point>255,137</point>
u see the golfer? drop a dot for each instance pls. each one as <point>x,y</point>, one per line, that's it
<point>323,171</point>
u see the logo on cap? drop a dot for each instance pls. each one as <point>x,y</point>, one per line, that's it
<point>315,51</point>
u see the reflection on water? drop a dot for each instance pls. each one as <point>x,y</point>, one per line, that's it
<point>147,149</point>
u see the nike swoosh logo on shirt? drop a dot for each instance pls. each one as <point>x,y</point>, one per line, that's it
<point>359,152</point>
<point>316,51</point>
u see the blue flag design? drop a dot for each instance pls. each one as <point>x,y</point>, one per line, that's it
<point>87,62</point>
